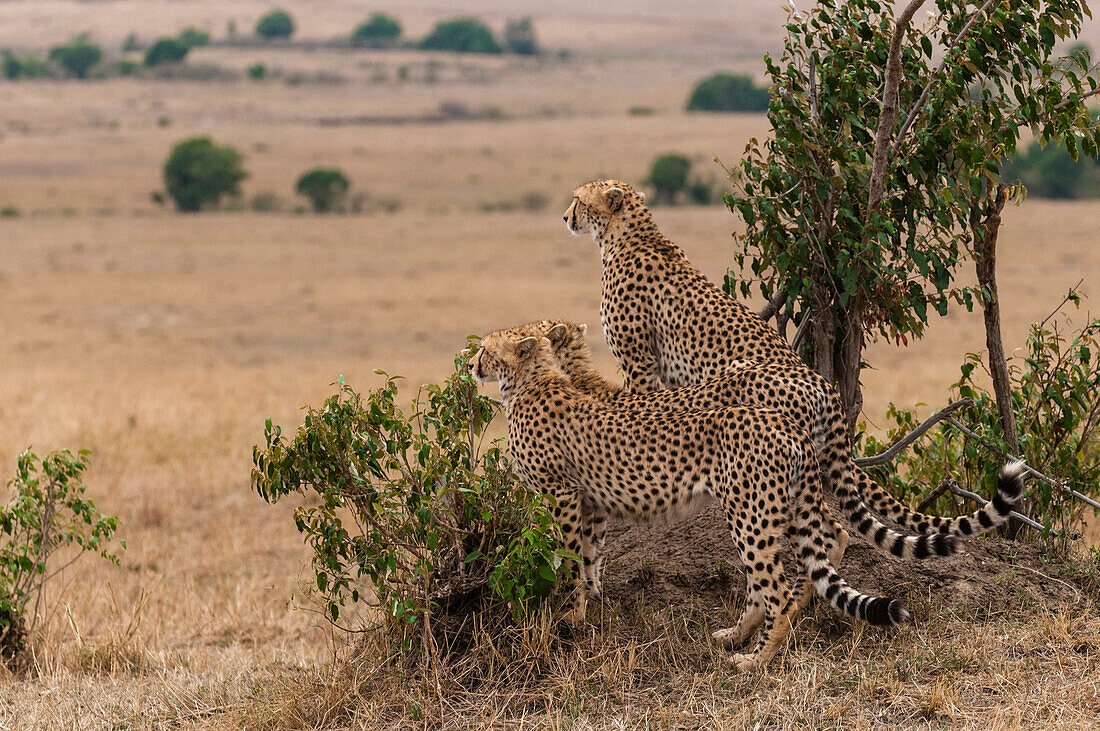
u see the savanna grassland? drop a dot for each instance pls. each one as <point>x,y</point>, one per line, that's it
<point>162,341</point>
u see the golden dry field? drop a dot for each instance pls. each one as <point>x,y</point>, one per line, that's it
<point>161,342</point>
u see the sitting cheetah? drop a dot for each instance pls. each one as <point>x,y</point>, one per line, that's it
<point>667,324</point>
<point>643,464</point>
<point>803,398</point>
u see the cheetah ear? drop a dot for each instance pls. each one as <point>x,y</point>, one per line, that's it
<point>614,196</point>
<point>641,197</point>
<point>526,346</point>
<point>557,334</point>
<point>583,327</point>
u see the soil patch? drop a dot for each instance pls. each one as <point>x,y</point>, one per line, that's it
<point>694,560</point>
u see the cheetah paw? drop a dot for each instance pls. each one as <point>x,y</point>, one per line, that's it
<point>745,663</point>
<point>729,637</point>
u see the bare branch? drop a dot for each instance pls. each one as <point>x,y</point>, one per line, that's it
<point>915,111</point>
<point>914,435</point>
<point>889,110</point>
<point>954,487</point>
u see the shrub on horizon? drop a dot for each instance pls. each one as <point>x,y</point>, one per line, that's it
<point>379,31</point>
<point>199,173</point>
<point>77,57</point>
<point>276,24</point>
<point>728,93</point>
<point>166,50</point>
<point>325,188</point>
<point>461,35</point>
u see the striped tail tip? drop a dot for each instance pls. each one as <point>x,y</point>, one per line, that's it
<point>935,544</point>
<point>1010,483</point>
<point>886,612</point>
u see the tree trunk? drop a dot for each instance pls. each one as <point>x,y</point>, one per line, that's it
<point>986,225</point>
<point>824,334</point>
<point>848,362</point>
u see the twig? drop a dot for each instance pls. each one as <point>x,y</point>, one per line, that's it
<point>800,333</point>
<point>1067,298</point>
<point>954,487</point>
<point>930,498</point>
<point>1054,110</point>
<point>901,444</point>
<point>1008,455</point>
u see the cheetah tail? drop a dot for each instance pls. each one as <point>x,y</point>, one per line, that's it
<point>990,516</point>
<point>848,486</point>
<point>828,583</point>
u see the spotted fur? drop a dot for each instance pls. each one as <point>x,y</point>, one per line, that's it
<point>593,457</point>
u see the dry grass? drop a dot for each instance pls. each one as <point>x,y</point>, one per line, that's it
<point>161,342</point>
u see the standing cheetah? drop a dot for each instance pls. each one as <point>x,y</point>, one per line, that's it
<point>667,325</point>
<point>802,399</point>
<point>643,464</point>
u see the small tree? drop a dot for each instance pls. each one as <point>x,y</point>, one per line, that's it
<point>462,35</point>
<point>276,24</point>
<point>519,37</point>
<point>257,72</point>
<point>77,57</point>
<point>47,513</point>
<point>324,187</point>
<point>193,37</point>
<point>166,50</point>
<point>728,93</point>
<point>379,31</point>
<point>199,173</point>
<point>669,176</point>
<point>857,217</point>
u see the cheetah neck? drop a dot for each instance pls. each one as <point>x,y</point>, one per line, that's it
<point>584,376</point>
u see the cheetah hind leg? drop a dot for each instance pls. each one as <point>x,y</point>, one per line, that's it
<point>780,611</point>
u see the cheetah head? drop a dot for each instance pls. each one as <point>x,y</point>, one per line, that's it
<point>506,359</point>
<point>599,205</point>
<point>567,340</point>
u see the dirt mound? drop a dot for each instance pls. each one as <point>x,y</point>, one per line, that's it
<point>695,559</point>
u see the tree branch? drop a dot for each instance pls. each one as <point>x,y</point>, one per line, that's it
<point>777,300</point>
<point>915,111</point>
<point>1057,108</point>
<point>914,435</point>
<point>954,487</point>
<point>889,110</point>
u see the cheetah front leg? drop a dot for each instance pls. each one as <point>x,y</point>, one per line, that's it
<point>593,534</point>
<point>739,634</point>
<point>567,514</point>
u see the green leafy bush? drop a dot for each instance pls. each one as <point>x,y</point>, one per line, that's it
<point>519,37</point>
<point>276,24</point>
<point>126,67</point>
<point>166,50</point>
<point>379,31</point>
<point>193,37</point>
<point>325,188</point>
<point>408,511</point>
<point>198,173</point>
<point>47,513</point>
<point>728,93</point>
<point>77,57</point>
<point>669,176</point>
<point>257,72</point>
<point>1056,400</point>
<point>462,35</point>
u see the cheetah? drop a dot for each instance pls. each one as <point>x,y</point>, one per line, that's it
<point>804,400</point>
<point>668,325</point>
<point>644,464</point>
